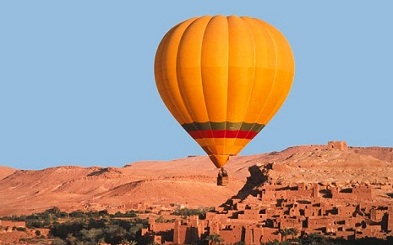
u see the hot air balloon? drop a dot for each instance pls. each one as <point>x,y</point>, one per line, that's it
<point>223,78</point>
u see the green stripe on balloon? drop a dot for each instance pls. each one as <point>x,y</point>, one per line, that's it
<point>223,126</point>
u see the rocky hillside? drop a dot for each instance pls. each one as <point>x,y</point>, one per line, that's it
<point>190,181</point>
<point>5,171</point>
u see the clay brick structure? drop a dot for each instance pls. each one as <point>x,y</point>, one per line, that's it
<point>337,145</point>
<point>389,225</point>
<point>11,224</point>
<point>362,192</point>
<point>346,212</point>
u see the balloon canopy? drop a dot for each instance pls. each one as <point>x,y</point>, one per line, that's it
<point>223,78</point>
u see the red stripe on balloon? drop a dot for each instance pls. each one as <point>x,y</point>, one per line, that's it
<point>240,134</point>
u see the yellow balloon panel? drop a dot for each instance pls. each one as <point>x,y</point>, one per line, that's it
<point>189,69</point>
<point>215,79</point>
<point>165,67</point>
<point>214,68</point>
<point>240,85</point>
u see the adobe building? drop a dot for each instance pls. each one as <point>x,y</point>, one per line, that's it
<point>337,145</point>
<point>347,212</point>
<point>7,225</point>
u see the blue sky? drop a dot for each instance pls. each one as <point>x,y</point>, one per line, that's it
<point>77,81</point>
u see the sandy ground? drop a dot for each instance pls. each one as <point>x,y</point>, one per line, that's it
<point>190,181</point>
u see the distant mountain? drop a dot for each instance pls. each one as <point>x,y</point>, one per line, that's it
<point>5,171</point>
<point>190,181</point>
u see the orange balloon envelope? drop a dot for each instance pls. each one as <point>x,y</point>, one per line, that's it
<point>223,78</point>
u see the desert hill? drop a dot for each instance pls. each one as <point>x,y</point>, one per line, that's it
<point>190,181</point>
<point>5,171</point>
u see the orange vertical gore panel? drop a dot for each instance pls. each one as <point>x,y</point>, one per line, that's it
<point>219,160</point>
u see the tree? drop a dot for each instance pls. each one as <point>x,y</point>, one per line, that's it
<point>293,232</point>
<point>70,239</point>
<point>215,239</point>
<point>135,229</point>
<point>92,235</point>
<point>115,234</point>
<point>58,241</point>
<point>287,231</point>
<point>274,242</point>
<point>315,239</point>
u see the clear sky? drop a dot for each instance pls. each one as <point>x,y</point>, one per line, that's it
<point>77,81</point>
